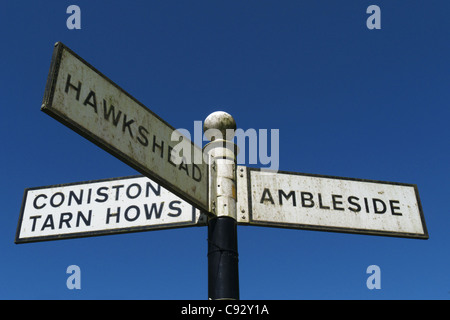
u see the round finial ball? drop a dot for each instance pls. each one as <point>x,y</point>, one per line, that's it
<point>219,121</point>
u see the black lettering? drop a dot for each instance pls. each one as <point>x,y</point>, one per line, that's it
<point>111,110</point>
<point>148,213</point>
<point>116,214</point>
<point>117,190</point>
<point>321,206</point>
<point>92,103</point>
<point>266,193</point>
<point>356,204</point>
<point>159,146</point>
<point>89,195</point>
<point>391,203</point>
<point>48,223</point>
<point>138,193</point>
<point>136,208</point>
<point>70,85</point>
<point>303,195</point>
<point>144,140</point>
<point>281,194</point>
<point>126,124</point>
<point>35,201</point>
<point>375,208</point>
<point>65,218</point>
<point>52,199</point>
<point>173,207</point>
<point>87,221</point>
<point>157,192</point>
<point>335,202</point>
<point>169,157</point>
<point>366,203</point>
<point>103,194</point>
<point>34,218</point>
<point>196,173</point>
<point>183,166</point>
<point>72,195</point>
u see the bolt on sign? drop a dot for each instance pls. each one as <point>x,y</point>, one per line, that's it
<point>307,201</point>
<point>85,100</point>
<point>101,207</point>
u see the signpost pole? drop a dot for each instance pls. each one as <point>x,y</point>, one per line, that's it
<point>223,271</point>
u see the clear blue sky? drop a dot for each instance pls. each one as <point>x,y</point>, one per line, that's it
<point>348,101</point>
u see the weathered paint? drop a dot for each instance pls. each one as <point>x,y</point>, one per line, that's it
<point>306,201</point>
<point>88,102</point>
<point>101,207</point>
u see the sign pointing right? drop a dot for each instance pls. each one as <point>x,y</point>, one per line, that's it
<point>306,201</point>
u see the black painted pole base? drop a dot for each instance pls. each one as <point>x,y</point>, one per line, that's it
<point>223,271</point>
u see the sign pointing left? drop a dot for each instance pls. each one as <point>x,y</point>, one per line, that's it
<point>85,100</point>
<point>101,207</point>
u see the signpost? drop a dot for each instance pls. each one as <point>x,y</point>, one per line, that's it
<point>307,201</point>
<point>88,102</point>
<point>101,207</point>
